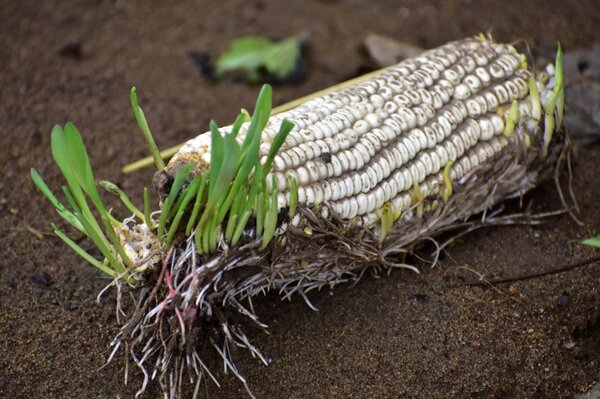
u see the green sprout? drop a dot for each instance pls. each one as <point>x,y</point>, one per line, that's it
<point>512,119</point>
<point>237,186</point>
<point>147,209</point>
<point>387,220</point>
<point>113,188</point>
<point>536,105</point>
<point>555,101</point>
<point>270,218</point>
<point>168,204</point>
<point>447,177</point>
<point>71,157</point>
<point>418,198</point>
<point>593,242</point>
<point>293,195</point>
<point>143,124</point>
<point>218,203</point>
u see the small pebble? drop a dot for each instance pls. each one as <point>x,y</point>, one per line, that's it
<point>569,345</point>
<point>41,278</point>
<point>71,49</point>
<point>562,301</point>
<point>423,298</point>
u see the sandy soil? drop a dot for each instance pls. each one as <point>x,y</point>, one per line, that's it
<point>406,335</point>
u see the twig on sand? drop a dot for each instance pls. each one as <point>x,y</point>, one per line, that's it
<point>482,281</point>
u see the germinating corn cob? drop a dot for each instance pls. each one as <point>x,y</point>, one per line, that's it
<point>357,179</point>
<point>365,174</point>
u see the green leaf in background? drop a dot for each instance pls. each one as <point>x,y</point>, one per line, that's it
<point>592,242</point>
<point>250,53</point>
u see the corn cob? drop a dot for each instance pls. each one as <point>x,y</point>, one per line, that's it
<point>372,169</point>
<point>365,174</point>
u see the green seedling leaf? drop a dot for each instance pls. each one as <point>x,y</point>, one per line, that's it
<point>260,117</point>
<point>236,212</point>
<point>175,207</point>
<point>215,235</point>
<point>209,232</point>
<point>113,188</point>
<point>116,243</point>
<point>70,199</point>
<point>239,229</point>
<point>551,103</point>
<point>282,57</point>
<point>231,222</point>
<point>229,165</point>
<point>80,163</point>
<point>244,112</point>
<point>559,65</point>
<point>244,116</point>
<point>187,196</point>
<point>217,153</point>
<point>536,105</point>
<point>560,107</point>
<point>82,171</point>
<point>63,157</point>
<point>100,241</point>
<point>227,158</point>
<point>175,188</point>
<point>256,187</point>
<point>548,131</point>
<point>198,239</point>
<point>593,242</point>
<point>293,195</point>
<point>147,209</point>
<point>559,93</point>
<point>259,212</point>
<point>223,191</point>
<point>81,252</point>
<point>143,124</point>
<point>249,155</point>
<point>251,53</point>
<point>200,200</point>
<point>60,208</point>
<point>63,160</point>
<point>285,128</point>
<point>69,154</point>
<point>387,220</point>
<point>270,218</point>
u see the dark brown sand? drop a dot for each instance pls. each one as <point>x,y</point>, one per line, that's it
<point>404,335</point>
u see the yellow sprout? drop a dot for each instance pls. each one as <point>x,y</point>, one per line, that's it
<point>556,100</point>
<point>560,107</point>
<point>418,197</point>
<point>247,117</point>
<point>512,119</point>
<point>447,176</point>
<point>536,105</point>
<point>523,60</point>
<point>387,220</point>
